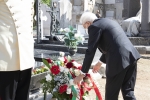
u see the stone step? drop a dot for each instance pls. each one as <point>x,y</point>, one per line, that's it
<point>61,43</point>
<point>58,47</point>
<point>142,49</point>
<point>82,49</point>
<point>135,41</point>
<point>140,40</point>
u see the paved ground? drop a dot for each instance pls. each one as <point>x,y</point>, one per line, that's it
<point>142,88</point>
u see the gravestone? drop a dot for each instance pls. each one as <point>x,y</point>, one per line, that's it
<point>65,13</point>
<point>109,14</point>
<point>77,2</point>
<point>131,7</point>
<point>119,8</point>
<point>46,23</point>
<point>109,1</point>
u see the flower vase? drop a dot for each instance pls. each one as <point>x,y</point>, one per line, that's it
<point>72,51</point>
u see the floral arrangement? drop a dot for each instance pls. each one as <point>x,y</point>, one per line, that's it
<point>71,37</point>
<point>59,81</point>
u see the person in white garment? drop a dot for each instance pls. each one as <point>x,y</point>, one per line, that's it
<point>16,48</point>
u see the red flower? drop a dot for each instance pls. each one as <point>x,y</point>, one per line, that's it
<point>49,60</point>
<point>72,60</point>
<point>69,64</point>
<point>65,60</point>
<point>55,69</point>
<point>71,95</point>
<point>79,67</point>
<point>63,88</point>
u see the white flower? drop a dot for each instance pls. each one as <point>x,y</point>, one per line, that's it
<point>48,77</point>
<point>67,30</point>
<point>76,64</point>
<point>68,91</point>
<point>77,72</point>
<point>71,82</point>
<point>82,39</point>
<point>85,98</point>
<point>62,54</point>
<point>90,84</point>
<point>54,90</point>
<point>66,70</point>
<point>77,35</point>
<point>61,58</point>
<point>62,69</point>
<point>61,30</point>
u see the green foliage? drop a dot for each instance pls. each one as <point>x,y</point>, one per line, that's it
<point>47,2</point>
<point>71,28</point>
<point>42,69</point>
<point>72,38</point>
<point>46,63</point>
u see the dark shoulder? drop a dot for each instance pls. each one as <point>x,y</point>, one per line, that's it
<point>105,23</point>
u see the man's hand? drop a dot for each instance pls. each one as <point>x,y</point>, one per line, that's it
<point>97,67</point>
<point>78,79</point>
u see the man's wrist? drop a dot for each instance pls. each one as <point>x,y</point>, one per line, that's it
<point>99,63</point>
<point>81,73</point>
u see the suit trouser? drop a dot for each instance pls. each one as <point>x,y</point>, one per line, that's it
<point>14,85</point>
<point>124,81</point>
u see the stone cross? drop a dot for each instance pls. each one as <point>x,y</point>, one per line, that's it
<point>54,22</point>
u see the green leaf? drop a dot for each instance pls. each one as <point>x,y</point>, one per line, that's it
<point>69,58</point>
<point>67,35</point>
<point>67,43</point>
<point>47,2</point>
<point>71,28</point>
<point>46,63</point>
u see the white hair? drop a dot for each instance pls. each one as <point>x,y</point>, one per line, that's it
<point>87,17</point>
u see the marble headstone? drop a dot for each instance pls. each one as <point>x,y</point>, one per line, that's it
<point>65,13</point>
<point>131,7</point>
<point>109,1</point>
<point>77,2</point>
<point>109,14</point>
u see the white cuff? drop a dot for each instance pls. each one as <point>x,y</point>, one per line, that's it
<point>100,61</point>
<point>82,73</point>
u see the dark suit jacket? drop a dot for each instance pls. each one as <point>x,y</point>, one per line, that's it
<point>117,50</point>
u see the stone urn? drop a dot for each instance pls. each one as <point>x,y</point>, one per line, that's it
<point>72,51</point>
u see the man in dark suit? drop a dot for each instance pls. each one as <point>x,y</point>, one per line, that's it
<point>118,53</point>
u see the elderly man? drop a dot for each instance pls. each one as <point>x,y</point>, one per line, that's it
<point>118,53</point>
<point>16,48</point>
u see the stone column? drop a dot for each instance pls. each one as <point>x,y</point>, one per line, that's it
<point>145,22</point>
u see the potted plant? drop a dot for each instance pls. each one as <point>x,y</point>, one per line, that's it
<point>72,38</point>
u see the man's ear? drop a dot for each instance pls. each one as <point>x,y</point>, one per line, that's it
<point>89,23</point>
